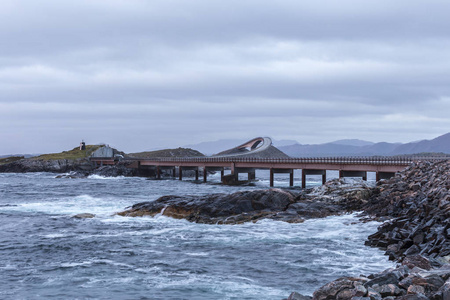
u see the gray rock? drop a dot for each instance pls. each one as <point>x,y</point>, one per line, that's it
<point>84,216</point>
<point>383,279</point>
<point>297,296</point>
<point>390,290</point>
<point>416,289</point>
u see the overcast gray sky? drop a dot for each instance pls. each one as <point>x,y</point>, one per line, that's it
<point>146,74</point>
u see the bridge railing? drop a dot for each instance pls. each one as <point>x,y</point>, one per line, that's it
<point>358,160</point>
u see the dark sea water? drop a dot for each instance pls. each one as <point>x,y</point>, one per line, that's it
<point>47,254</point>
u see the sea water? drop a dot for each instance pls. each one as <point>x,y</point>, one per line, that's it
<point>47,254</point>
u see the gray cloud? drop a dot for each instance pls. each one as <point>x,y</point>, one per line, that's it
<point>144,74</point>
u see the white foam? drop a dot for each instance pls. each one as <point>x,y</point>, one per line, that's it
<point>94,176</point>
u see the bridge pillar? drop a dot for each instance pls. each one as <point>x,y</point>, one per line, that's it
<point>174,172</point>
<point>313,172</point>
<point>208,169</point>
<point>282,171</point>
<point>271,177</point>
<point>362,174</point>
<point>291,178</point>
<point>205,174</point>
<point>384,175</point>
<point>180,171</point>
<point>222,173</point>
<point>158,172</point>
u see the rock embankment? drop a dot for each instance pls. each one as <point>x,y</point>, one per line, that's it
<point>419,199</point>
<point>334,198</point>
<point>41,165</point>
<point>417,236</point>
<point>415,279</point>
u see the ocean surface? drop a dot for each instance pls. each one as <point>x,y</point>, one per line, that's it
<point>47,254</point>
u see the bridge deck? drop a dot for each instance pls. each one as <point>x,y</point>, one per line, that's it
<point>346,165</point>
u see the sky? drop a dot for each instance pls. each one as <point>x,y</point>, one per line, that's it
<point>150,74</point>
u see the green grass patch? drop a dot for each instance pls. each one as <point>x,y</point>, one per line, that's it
<point>10,159</point>
<point>75,153</point>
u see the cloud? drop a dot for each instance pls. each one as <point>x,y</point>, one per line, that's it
<point>180,72</point>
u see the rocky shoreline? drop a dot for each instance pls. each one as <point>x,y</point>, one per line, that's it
<point>417,236</point>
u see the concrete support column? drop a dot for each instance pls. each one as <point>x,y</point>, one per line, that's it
<point>271,177</point>
<point>222,173</point>
<point>180,173</point>
<point>174,172</point>
<point>196,174</point>
<point>313,172</point>
<point>291,178</point>
<point>205,174</point>
<point>158,172</point>
<point>303,179</point>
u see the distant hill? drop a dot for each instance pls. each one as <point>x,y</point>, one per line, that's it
<point>440,144</point>
<point>178,152</point>
<point>353,142</point>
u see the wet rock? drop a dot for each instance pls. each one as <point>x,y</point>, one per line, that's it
<point>373,294</point>
<point>417,261</point>
<point>359,291</point>
<point>383,279</point>
<point>416,289</point>
<point>413,297</point>
<point>114,171</point>
<point>418,199</point>
<point>220,208</point>
<point>84,216</point>
<point>390,290</point>
<point>297,296</point>
<point>445,290</point>
<point>240,207</point>
<point>342,288</point>
<point>40,165</point>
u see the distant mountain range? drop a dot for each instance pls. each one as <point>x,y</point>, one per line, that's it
<point>440,144</point>
<point>349,147</point>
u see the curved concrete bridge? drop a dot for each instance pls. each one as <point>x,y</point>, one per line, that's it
<point>259,153</point>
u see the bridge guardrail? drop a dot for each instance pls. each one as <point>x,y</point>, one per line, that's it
<point>378,160</point>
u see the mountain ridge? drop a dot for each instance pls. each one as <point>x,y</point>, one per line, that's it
<point>440,144</point>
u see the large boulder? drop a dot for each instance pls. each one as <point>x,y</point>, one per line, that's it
<point>219,208</point>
